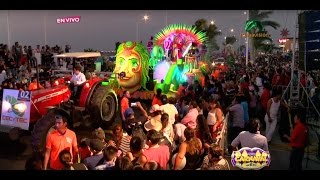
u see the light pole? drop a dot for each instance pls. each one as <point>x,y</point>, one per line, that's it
<point>247,40</point>
<point>45,29</point>
<point>8,28</point>
<point>145,18</point>
<point>166,18</point>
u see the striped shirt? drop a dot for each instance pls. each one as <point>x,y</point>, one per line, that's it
<point>125,144</point>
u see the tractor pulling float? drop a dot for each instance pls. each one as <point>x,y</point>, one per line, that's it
<point>169,64</point>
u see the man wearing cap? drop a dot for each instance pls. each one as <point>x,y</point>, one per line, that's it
<point>155,121</point>
<point>60,139</point>
<point>96,146</point>
<point>129,122</point>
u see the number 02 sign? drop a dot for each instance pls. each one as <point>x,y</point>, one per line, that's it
<point>15,110</point>
<point>24,96</point>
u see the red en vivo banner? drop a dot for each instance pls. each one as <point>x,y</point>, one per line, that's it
<point>73,19</point>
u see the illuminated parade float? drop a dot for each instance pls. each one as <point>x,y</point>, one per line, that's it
<point>171,62</point>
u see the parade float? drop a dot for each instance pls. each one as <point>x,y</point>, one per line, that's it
<point>179,42</point>
<point>170,63</point>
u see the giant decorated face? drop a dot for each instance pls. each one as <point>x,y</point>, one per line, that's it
<point>132,66</point>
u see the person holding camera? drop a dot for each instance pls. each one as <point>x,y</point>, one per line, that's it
<point>125,104</point>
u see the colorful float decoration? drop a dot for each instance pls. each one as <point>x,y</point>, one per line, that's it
<point>134,66</point>
<point>157,54</point>
<point>177,40</point>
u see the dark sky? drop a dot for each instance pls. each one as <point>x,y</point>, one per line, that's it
<point>101,29</point>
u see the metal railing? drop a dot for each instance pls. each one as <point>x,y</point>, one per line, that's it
<point>222,138</point>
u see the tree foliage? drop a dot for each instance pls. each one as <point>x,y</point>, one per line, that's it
<point>212,32</point>
<point>263,17</point>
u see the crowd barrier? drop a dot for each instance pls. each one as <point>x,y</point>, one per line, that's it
<point>222,138</point>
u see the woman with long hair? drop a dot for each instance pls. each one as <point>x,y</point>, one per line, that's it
<point>191,149</point>
<point>214,160</point>
<point>215,118</point>
<point>203,132</point>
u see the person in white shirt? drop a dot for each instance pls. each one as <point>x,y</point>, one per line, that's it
<point>78,78</point>
<point>169,108</point>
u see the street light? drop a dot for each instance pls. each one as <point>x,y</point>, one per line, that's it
<point>212,22</point>
<point>45,29</point>
<point>247,41</point>
<point>8,29</point>
<point>145,18</point>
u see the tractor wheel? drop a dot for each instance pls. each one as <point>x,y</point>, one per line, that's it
<point>40,131</point>
<point>103,106</point>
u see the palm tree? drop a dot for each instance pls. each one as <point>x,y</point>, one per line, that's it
<point>261,16</point>
<point>212,32</point>
<point>230,40</point>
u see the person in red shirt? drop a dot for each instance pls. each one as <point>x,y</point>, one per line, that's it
<point>265,96</point>
<point>157,98</point>
<point>124,103</point>
<point>298,141</point>
<point>182,89</point>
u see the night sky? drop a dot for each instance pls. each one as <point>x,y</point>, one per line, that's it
<point>101,29</point>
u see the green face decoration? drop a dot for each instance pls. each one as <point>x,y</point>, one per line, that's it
<point>132,66</point>
<point>157,54</point>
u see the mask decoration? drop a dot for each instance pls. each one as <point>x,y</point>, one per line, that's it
<point>132,67</point>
